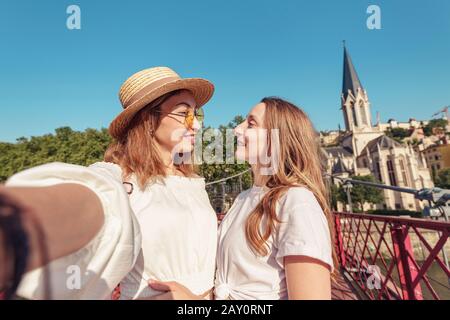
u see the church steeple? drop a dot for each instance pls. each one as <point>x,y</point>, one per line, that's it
<point>350,80</point>
<point>355,103</point>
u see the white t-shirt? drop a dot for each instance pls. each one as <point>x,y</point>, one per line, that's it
<point>93,271</point>
<point>179,235</point>
<point>303,231</point>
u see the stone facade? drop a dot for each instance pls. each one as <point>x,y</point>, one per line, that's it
<point>364,148</point>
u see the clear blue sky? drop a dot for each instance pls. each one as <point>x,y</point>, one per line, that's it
<point>51,76</point>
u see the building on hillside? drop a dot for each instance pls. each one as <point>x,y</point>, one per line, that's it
<point>437,157</point>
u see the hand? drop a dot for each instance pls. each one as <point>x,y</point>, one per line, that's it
<point>116,293</point>
<point>172,291</point>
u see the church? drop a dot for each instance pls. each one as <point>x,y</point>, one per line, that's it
<point>365,149</point>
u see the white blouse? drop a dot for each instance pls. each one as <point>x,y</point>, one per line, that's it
<point>179,235</point>
<point>303,231</point>
<point>93,271</point>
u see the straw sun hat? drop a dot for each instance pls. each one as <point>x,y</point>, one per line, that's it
<point>147,85</point>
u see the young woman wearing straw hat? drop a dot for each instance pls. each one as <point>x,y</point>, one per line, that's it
<point>153,141</point>
<point>275,241</point>
<point>144,214</point>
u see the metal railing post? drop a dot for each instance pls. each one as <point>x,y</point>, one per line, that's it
<point>339,240</point>
<point>444,253</point>
<point>404,255</point>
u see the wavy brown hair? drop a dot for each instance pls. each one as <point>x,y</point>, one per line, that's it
<point>299,164</point>
<point>137,152</point>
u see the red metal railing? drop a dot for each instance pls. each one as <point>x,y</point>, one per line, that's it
<point>378,255</point>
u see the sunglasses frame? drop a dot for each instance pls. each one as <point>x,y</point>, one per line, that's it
<point>188,116</point>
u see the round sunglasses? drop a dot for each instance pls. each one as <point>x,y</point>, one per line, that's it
<point>188,116</point>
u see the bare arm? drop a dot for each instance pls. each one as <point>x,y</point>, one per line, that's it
<point>307,278</point>
<point>70,215</point>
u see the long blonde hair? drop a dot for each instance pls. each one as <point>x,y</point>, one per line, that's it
<point>136,151</point>
<point>299,164</point>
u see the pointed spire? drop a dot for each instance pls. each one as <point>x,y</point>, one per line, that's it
<point>350,78</point>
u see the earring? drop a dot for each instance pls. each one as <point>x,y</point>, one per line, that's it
<point>152,132</point>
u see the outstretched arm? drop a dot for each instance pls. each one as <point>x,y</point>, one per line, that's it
<point>69,215</point>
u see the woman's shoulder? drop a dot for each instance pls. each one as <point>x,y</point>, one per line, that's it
<point>57,172</point>
<point>108,168</point>
<point>298,195</point>
<point>299,191</point>
<point>244,194</point>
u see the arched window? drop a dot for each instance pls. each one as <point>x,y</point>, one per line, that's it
<point>391,173</point>
<point>404,172</point>
<point>355,120</point>
<point>347,123</point>
<point>362,108</point>
<point>377,170</point>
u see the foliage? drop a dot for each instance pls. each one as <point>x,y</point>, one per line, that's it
<point>397,134</point>
<point>216,171</point>
<point>66,145</point>
<point>361,194</point>
<point>334,196</point>
<point>435,123</point>
<point>443,179</point>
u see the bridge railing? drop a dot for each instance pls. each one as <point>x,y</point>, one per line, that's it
<point>393,257</point>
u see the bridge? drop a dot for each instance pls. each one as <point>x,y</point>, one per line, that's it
<point>380,257</point>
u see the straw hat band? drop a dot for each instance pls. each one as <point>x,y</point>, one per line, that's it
<point>147,89</point>
<point>141,79</point>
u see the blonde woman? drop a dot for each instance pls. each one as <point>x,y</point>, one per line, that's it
<point>275,242</point>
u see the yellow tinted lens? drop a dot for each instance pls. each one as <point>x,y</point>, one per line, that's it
<point>189,120</point>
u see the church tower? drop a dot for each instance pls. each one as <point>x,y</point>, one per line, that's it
<point>355,103</point>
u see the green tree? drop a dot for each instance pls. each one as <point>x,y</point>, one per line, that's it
<point>66,145</point>
<point>443,179</point>
<point>334,196</point>
<point>435,123</point>
<point>361,194</point>
<point>397,134</point>
<point>216,171</point>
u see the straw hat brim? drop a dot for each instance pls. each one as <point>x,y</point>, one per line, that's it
<point>201,89</point>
